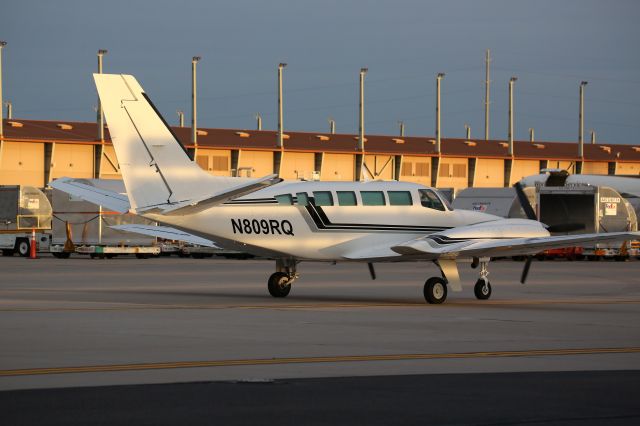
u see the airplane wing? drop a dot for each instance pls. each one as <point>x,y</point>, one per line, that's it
<point>438,246</point>
<point>102,197</point>
<point>165,232</point>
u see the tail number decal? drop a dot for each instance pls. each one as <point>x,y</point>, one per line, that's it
<point>262,226</point>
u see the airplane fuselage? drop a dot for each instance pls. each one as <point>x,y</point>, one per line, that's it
<point>326,220</point>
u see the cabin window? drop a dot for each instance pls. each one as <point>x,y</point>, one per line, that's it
<point>284,199</point>
<point>429,199</point>
<point>372,198</point>
<point>347,198</point>
<point>400,198</point>
<point>323,198</point>
<point>303,199</point>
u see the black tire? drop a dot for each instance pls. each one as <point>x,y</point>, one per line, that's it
<point>61,255</point>
<point>481,291</point>
<point>435,290</point>
<point>279,285</point>
<point>142,255</point>
<point>22,247</point>
<point>197,255</point>
<point>7,252</point>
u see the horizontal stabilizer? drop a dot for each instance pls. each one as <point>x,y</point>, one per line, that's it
<point>102,197</point>
<point>195,206</point>
<point>167,233</point>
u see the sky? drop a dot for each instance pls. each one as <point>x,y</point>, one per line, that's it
<point>549,45</point>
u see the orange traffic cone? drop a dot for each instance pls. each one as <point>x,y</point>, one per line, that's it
<point>32,248</point>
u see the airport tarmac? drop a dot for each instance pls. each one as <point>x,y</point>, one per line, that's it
<point>82,322</point>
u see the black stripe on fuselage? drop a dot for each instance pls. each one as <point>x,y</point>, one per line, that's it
<point>322,222</point>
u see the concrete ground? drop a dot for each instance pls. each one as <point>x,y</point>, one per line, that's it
<point>125,321</point>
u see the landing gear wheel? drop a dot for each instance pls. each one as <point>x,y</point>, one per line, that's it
<point>23,247</point>
<point>279,284</point>
<point>482,290</point>
<point>435,290</point>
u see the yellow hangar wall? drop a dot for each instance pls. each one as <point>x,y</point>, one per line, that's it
<point>380,166</point>
<point>453,173</point>
<point>416,169</point>
<point>595,168</point>
<point>297,165</point>
<point>22,163</point>
<point>523,168</point>
<point>487,173</point>
<point>33,162</point>
<point>628,168</point>
<point>337,167</point>
<point>109,167</point>
<point>71,160</point>
<point>215,161</point>
<point>255,163</point>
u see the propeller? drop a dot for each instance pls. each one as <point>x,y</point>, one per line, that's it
<point>566,227</point>
<point>525,270</point>
<point>531,214</point>
<point>371,270</point>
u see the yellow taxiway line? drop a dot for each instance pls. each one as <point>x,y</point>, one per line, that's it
<point>326,305</point>
<point>315,360</point>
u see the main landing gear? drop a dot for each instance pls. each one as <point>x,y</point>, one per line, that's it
<point>279,283</point>
<point>435,289</point>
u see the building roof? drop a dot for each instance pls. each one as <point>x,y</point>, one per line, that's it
<point>82,132</point>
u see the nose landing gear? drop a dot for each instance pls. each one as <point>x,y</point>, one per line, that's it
<point>482,289</point>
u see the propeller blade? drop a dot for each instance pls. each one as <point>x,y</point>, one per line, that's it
<point>524,202</point>
<point>525,270</point>
<point>372,271</point>
<point>566,227</point>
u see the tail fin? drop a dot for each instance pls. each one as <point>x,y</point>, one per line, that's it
<point>156,168</point>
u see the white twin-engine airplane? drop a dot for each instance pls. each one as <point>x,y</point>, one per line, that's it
<point>294,221</point>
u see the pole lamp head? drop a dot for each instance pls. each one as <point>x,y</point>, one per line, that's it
<point>584,83</point>
<point>440,75</point>
<point>2,44</point>
<point>102,52</point>
<point>282,65</point>
<point>513,79</point>
<point>195,59</point>
<point>364,70</point>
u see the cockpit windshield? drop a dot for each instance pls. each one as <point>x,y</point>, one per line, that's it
<point>429,199</point>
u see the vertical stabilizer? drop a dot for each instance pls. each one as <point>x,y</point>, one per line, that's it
<point>155,167</point>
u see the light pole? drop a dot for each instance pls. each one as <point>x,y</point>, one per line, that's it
<point>100,116</point>
<point>2,45</point>
<point>194,102</point>
<point>280,144</point>
<point>487,84</point>
<point>439,78</point>
<point>512,80</point>
<point>363,73</point>
<point>581,121</point>
<point>180,117</point>
<point>332,126</point>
